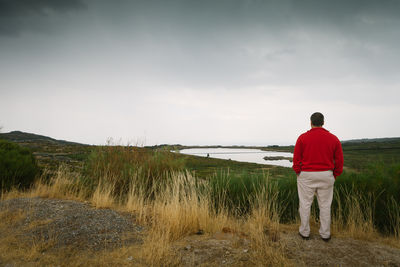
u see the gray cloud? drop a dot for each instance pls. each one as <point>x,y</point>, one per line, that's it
<point>206,62</point>
<point>238,38</point>
<point>17,16</point>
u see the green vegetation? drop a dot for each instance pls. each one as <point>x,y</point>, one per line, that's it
<point>121,166</point>
<point>373,193</point>
<point>359,156</point>
<point>367,193</point>
<point>278,158</point>
<point>18,167</point>
<point>236,192</point>
<point>51,153</point>
<point>370,185</point>
<point>204,167</point>
<point>379,186</point>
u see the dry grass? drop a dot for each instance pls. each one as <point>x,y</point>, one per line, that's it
<point>359,222</point>
<point>395,218</point>
<point>178,210</point>
<point>39,250</point>
<point>102,196</point>
<point>63,184</point>
<point>264,228</point>
<point>136,203</point>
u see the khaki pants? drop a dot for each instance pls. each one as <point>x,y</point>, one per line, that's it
<point>321,184</point>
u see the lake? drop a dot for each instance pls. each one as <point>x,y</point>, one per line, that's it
<point>242,154</point>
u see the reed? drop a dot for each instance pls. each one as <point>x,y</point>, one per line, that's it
<point>173,203</point>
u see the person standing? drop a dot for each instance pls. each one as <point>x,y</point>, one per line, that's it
<point>317,161</point>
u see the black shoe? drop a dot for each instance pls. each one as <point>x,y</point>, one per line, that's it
<point>326,239</point>
<point>304,237</point>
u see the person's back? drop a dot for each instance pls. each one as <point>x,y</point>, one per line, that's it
<point>318,150</point>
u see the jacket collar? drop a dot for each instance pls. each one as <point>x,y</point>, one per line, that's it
<point>318,128</point>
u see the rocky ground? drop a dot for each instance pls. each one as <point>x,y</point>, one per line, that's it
<point>72,223</point>
<point>80,225</point>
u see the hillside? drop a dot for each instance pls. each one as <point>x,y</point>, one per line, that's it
<point>22,137</point>
<point>373,140</point>
<point>146,207</point>
<point>50,152</point>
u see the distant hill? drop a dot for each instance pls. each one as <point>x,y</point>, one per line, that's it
<point>377,144</point>
<point>22,137</point>
<point>368,140</point>
<point>373,140</point>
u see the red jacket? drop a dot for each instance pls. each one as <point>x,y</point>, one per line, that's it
<point>318,150</point>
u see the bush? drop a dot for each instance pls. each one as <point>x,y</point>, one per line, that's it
<point>121,166</point>
<point>18,167</point>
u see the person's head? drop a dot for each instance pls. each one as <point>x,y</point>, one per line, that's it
<point>317,119</point>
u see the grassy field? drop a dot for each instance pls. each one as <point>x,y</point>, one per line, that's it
<point>371,173</point>
<point>176,195</point>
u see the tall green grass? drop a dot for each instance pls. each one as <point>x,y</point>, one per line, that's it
<point>368,200</point>
<point>121,166</point>
<point>378,188</point>
<point>236,192</point>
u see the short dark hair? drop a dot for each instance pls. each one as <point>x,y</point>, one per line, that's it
<point>317,119</point>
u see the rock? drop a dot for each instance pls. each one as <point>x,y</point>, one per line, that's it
<point>200,232</point>
<point>227,230</point>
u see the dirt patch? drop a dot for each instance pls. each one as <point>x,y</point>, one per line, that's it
<point>338,252</point>
<point>223,249</point>
<point>80,226</point>
<point>219,249</point>
<point>73,224</point>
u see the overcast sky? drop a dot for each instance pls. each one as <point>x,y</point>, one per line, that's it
<point>247,72</point>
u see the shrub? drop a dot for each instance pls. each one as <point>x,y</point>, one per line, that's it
<point>18,167</point>
<point>119,166</point>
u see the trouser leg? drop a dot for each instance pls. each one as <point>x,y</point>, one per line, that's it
<point>324,196</point>
<point>306,196</point>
